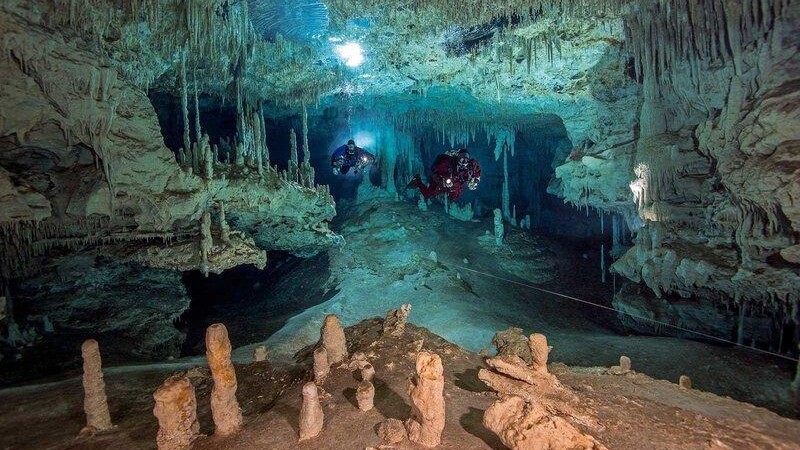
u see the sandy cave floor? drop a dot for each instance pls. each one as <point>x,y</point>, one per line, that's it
<point>631,410</point>
<point>387,262</point>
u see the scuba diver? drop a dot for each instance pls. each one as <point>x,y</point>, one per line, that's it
<point>350,156</point>
<point>451,171</point>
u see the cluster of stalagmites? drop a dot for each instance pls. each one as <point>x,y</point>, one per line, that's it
<point>533,410</point>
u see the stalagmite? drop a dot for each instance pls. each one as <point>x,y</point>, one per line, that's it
<point>224,229</point>
<point>224,406</point>
<point>206,241</point>
<point>365,395</point>
<point>208,158</point>
<point>498,227</point>
<point>426,389</point>
<point>333,339</point>
<point>294,165</point>
<point>625,363</point>
<point>306,150</point>
<point>539,352</point>
<point>95,404</point>
<point>311,415</point>
<point>321,366</point>
<point>395,322</point>
<point>176,411</point>
<point>506,194</point>
<point>603,263</point>
<point>391,431</point>
<point>685,382</point>
<point>260,353</point>
<point>367,372</point>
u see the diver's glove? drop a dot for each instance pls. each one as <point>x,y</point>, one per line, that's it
<point>473,184</point>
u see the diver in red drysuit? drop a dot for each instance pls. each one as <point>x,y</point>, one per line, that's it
<point>451,171</point>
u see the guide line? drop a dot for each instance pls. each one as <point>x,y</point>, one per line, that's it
<point>609,308</point>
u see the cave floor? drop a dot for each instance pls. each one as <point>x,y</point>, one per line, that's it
<point>387,262</point>
<point>622,412</point>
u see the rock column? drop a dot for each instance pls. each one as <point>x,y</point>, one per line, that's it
<point>321,365</point>
<point>224,407</point>
<point>333,339</point>
<point>365,395</point>
<point>176,411</point>
<point>426,389</point>
<point>95,404</point>
<point>311,415</point>
<point>539,352</point>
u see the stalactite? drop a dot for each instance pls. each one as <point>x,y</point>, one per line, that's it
<point>187,147</point>
<point>293,161</point>
<point>506,194</point>
<point>197,132</point>
<point>306,150</point>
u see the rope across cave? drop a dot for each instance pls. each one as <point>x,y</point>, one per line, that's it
<point>609,308</point>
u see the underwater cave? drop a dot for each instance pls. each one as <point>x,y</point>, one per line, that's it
<point>326,224</point>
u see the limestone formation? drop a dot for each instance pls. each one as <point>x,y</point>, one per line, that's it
<point>206,241</point>
<point>176,411</point>
<point>623,367</point>
<point>498,226</point>
<point>685,382</point>
<point>395,322</point>
<point>311,415</point>
<point>539,352</point>
<point>95,404</point>
<point>333,339</point>
<point>522,425</point>
<point>365,395</point>
<point>391,431</point>
<point>367,372</point>
<point>426,389</point>
<point>512,342</point>
<point>224,406</point>
<point>625,363</point>
<point>260,353</point>
<point>321,366</point>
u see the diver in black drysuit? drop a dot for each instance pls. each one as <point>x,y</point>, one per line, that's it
<point>350,156</point>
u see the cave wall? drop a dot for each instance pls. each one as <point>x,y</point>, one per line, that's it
<point>712,171</point>
<point>84,171</point>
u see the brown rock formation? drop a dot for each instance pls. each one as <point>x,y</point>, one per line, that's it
<point>685,382</point>
<point>425,389</point>
<point>176,411</point>
<point>311,415</point>
<point>321,366</point>
<point>623,367</point>
<point>95,404</point>
<point>537,343</point>
<point>512,342</point>
<point>365,395</point>
<point>396,319</point>
<point>368,372</point>
<point>391,431</point>
<point>224,406</point>
<point>333,339</point>
<point>522,425</point>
